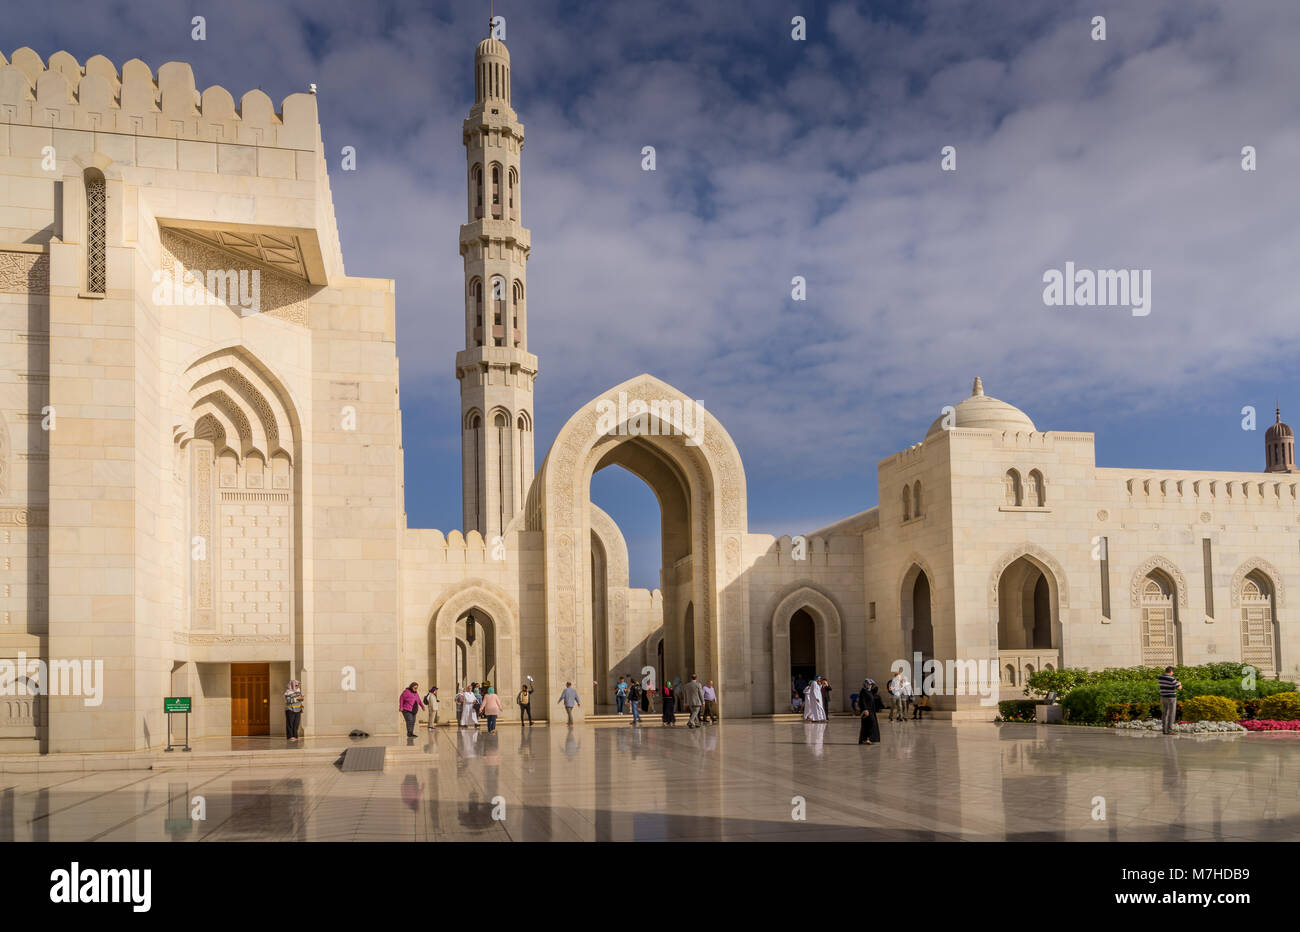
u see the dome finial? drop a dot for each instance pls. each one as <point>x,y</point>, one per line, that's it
<point>977,388</point>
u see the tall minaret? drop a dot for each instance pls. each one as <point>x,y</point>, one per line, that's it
<point>495,369</point>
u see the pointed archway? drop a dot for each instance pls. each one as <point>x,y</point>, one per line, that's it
<point>683,453</point>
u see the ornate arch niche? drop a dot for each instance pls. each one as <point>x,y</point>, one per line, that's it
<point>481,597</point>
<point>1263,566</point>
<point>1036,560</point>
<point>828,638</point>
<point>236,449</point>
<point>701,490</point>
<point>1169,568</point>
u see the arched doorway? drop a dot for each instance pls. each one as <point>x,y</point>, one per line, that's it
<point>1161,637</point>
<point>916,599</point>
<point>1259,638</point>
<point>1028,617</point>
<point>690,463</point>
<point>803,647</point>
<point>473,636</point>
<point>806,639</point>
<point>476,648</point>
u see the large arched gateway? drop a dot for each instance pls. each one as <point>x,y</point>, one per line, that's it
<point>690,462</point>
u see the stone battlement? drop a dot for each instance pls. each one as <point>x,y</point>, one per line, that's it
<point>65,95</point>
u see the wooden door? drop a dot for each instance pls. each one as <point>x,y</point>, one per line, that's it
<point>250,699</point>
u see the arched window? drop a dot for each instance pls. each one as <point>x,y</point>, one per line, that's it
<point>496,191</point>
<point>478,192</point>
<point>1258,639</point>
<point>916,498</point>
<point>1035,492</point>
<point>907,503</point>
<point>96,232</point>
<point>476,291</point>
<point>1159,621</point>
<point>517,298</point>
<point>498,302</point>
<point>513,177</point>
<point>1011,483</point>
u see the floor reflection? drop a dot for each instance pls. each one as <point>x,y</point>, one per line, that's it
<point>928,781</point>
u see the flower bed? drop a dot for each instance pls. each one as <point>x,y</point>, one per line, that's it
<point>1270,725</point>
<point>1187,728</point>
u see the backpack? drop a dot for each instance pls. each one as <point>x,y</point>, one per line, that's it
<point>522,698</point>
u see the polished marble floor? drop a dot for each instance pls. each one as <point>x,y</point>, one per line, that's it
<point>928,781</point>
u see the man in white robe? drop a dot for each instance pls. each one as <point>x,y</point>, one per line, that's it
<point>812,703</point>
<point>468,713</point>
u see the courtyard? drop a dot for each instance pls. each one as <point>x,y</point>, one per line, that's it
<point>737,781</point>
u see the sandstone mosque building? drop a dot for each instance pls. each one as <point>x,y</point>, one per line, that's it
<point>202,476</point>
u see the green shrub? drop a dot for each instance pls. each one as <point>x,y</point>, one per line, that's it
<point>1210,709</point>
<point>1065,680</point>
<point>1280,707</point>
<point>1016,710</point>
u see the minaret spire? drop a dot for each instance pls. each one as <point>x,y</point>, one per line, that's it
<point>495,369</point>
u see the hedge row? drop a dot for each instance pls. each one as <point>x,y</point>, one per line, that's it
<point>1067,679</point>
<point>1089,703</point>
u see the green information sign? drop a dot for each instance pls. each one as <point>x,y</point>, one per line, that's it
<point>176,704</point>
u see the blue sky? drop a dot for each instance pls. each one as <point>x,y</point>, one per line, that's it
<point>819,158</point>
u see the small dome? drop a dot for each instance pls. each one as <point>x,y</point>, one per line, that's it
<point>1278,430</point>
<point>984,412</point>
<point>493,48</point>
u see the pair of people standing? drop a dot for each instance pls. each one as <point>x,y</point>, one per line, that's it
<point>292,709</point>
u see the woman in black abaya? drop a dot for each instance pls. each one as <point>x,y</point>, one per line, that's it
<point>869,733</point>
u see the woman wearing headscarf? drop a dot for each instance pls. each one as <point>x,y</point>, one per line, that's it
<point>292,709</point>
<point>869,733</point>
<point>669,718</point>
<point>491,708</point>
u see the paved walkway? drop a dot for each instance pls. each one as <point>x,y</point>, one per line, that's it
<point>737,781</point>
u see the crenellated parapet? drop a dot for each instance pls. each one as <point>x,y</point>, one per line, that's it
<point>63,94</point>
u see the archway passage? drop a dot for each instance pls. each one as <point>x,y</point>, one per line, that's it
<point>803,648</point>
<point>476,643</point>
<point>1029,636</point>
<point>691,464</point>
<point>1259,624</point>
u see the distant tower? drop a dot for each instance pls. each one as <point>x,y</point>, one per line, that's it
<point>1279,447</point>
<point>495,369</point>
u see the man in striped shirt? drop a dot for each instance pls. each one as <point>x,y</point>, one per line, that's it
<point>1169,687</point>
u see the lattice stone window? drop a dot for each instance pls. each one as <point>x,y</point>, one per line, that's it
<point>96,234</point>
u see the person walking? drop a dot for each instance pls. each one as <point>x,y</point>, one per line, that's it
<point>635,696</point>
<point>826,695</point>
<point>693,693</point>
<point>620,694</point>
<point>869,733</point>
<point>525,701</point>
<point>408,703</point>
<point>710,713</point>
<point>570,698</point>
<point>492,708</point>
<point>670,719</point>
<point>431,700</point>
<point>292,709</point>
<point>1169,687</point>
